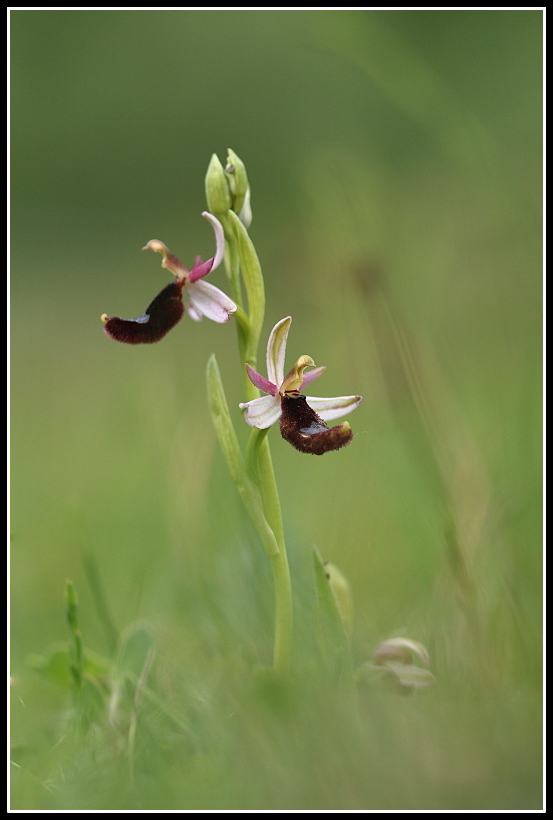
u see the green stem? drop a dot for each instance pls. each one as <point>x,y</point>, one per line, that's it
<point>232,264</point>
<point>77,650</point>
<point>242,263</point>
<point>243,326</point>
<point>279,561</point>
<point>260,467</point>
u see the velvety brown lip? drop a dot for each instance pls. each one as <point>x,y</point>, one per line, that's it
<point>160,316</point>
<point>301,427</point>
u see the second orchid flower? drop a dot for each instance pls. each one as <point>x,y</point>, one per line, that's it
<point>302,418</point>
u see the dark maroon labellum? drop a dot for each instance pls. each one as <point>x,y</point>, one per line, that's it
<point>301,427</point>
<point>160,316</point>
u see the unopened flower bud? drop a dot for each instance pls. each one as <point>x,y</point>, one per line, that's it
<point>239,187</point>
<point>341,589</point>
<point>217,189</point>
<point>402,650</point>
<point>395,655</point>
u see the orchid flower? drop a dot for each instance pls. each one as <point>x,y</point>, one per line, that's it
<point>302,418</point>
<point>167,308</point>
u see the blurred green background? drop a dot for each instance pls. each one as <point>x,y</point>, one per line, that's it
<point>395,165</point>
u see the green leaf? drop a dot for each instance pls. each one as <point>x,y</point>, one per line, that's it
<point>137,642</point>
<point>231,449</point>
<point>55,664</point>
<point>253,281</point>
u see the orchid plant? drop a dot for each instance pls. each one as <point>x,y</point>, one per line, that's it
<point>302,419</point>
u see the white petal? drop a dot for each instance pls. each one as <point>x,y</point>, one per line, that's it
<point>245,215</point>
<point>330,409</point>
<point>219,239</point>
<point>262,412</point>
<point>210,301</point>
<point>192,312</point>
<point>276,350</point>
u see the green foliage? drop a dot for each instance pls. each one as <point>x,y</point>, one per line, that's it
<point>235,462</point>
<point>253,281</point>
